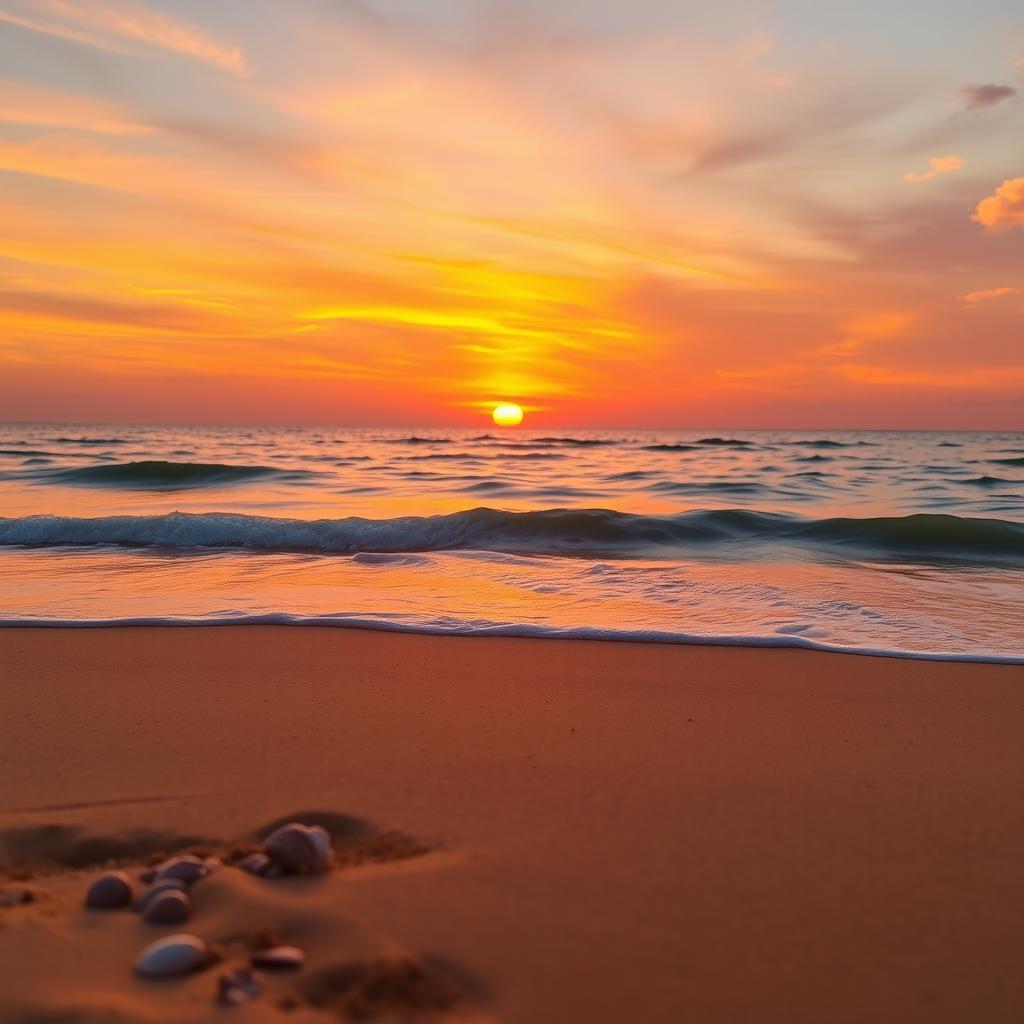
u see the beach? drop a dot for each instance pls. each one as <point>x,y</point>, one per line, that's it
<point>573,830</point>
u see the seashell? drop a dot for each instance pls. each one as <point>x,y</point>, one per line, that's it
<point>164,885</point>
<point>238,986</point>
<point>256,864</point>
<point>212,864</point>
<point>172,956</point>
<point>300,850</point>
<point>279,958</point>
<point>168,907</point>
<point>109,891</point>
<point>188,868</point>
<point>322,844</point>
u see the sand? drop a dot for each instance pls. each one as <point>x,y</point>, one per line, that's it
<point>552,831</point>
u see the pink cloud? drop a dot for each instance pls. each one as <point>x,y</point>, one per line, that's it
<point>977,97</point>
<point>938,165</point>
<point>94,22</point>
<point>991,293</point>
<point>21,103</point>
<point>1004,209</point>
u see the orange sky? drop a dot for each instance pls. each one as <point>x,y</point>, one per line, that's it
<point>402,212</point>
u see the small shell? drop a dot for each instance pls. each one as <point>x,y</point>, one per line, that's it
<point>188,868</point>
<point>212,864</point>
<point>169,907</point>
<point>256,864</point>
<point>280,958</point>
<point>164,885</point>
<point>109,891</point>
<point>238,986</point>
<point>300,850</point>
<point>322,844</point>
<point>174,955</point>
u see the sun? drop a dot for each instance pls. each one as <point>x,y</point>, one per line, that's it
<point>508,414</point>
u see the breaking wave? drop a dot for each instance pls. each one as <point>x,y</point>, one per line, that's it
<point>730,533</point>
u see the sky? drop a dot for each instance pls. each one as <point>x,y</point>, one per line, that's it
<point>643,213</point>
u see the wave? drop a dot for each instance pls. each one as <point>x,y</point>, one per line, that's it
<point>670,448</point>
<point>707,487</point>
<point>165,475</point>
<point>449,626</point>
<point>632,474</point>
<point>987,481</point>
<point>574,442</point>
<point>730,441</point>
<point>88,440</point>
<point>826,443</point>
<point>734,533</point>
<point>1007,462</point>
<point>487,487</point>
<point>472,457</point>
<point>418,440</point>
<point>821,443</point>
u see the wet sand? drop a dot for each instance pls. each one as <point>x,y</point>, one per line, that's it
<point>571,831</point>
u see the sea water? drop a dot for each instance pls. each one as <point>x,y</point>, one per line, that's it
<point>870,541</point>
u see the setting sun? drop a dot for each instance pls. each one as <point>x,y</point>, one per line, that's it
<point>508,414</point>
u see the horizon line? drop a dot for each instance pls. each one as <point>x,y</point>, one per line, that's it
<point>488,427</point>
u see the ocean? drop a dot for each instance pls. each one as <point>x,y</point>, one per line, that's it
<point>868,541</point>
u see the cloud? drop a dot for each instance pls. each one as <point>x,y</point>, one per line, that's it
<point>21,103</point>
<point>991,293</point>
<point>60,31</point>
<point>1004,209</point>
<point>939,165</point>
<point>93,22</point>
<point>67,306</point>
<point>795,123</point>
<point>977,97</point>
<point>982,378</point>
<point>866,329</point>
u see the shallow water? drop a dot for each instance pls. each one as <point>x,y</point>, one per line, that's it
<point>909,543</point>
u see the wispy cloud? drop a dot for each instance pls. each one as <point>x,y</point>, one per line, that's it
<point>61,31</point>
<point>938,165</point>
<point>26,104</point>
<point>1004,209</point>
<point>107,25</point>
<point>978,97</point>
<point>991,293</point>
<point>870,328</point>
<point>959,379</point>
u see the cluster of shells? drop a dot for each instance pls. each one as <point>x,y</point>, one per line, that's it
<point>294,849</point>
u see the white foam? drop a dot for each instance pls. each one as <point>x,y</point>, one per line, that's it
<point>479,628</point>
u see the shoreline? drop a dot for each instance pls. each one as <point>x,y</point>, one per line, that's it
<point>581,634</point>
<point>617,830</point>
